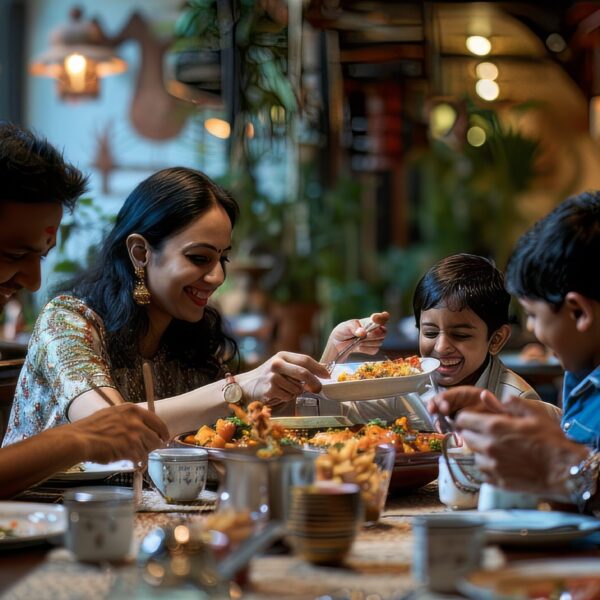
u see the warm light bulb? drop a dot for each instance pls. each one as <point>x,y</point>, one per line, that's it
<point>218,128</point>
<point>487,89</point>
<point>486,70</point>
<point>75,68</point>
<point>476,136</point>
<point>75,64</point>
<point>479,45</point>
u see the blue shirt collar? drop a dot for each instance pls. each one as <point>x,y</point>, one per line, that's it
<point>577,383</point>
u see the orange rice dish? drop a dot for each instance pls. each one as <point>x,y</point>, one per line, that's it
<point>400,367</point>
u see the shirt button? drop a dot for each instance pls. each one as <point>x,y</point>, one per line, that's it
<point>567,425</point>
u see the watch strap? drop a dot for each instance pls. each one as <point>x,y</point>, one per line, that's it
<point>231,385</point>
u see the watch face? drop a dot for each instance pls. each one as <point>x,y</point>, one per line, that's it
<point>233,393</point>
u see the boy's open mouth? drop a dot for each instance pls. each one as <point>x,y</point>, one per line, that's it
<point>449,366</point>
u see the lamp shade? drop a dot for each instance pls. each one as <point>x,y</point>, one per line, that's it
<point>79,54</point>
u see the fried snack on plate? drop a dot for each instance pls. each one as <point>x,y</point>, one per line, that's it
<point>346,463</point>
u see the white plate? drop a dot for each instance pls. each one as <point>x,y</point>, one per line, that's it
<point>524,527</point>
<point>32,522</point>
<point>91,470</point>
<point>373,389</point>
<point>523,578</point>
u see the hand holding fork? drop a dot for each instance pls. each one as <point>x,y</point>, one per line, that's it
<point>347,338</point>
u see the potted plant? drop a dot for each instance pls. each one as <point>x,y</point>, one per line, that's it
<point>470,195</point>
<point>261,105</point>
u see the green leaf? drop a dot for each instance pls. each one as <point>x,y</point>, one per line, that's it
<point>67,266</point>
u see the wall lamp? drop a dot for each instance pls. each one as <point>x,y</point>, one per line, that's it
<point>78,56</point>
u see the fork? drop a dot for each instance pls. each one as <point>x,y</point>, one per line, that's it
<point>342,353</point>
<point>445,424</point>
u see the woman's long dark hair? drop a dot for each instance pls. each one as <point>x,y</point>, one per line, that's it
<point>158,208</point>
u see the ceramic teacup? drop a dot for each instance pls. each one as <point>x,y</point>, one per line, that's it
<point>100,523</point>
<point>179,474</point>
<point>492,497</point>
<point>446,548</point>
<point>459,481</point>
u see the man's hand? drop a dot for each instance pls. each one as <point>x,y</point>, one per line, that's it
<point>451,401</point>
<point>520,449</point>
<point>119,432</point>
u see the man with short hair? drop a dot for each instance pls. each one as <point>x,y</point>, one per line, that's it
<point>36,183</point>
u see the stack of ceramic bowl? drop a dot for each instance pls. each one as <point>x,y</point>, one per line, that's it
<point>323,520</point>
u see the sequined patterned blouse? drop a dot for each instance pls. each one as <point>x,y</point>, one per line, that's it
<point>67,356</point>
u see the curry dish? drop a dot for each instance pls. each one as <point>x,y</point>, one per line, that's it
<point>235,432</point>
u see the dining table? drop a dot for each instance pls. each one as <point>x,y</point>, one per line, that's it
<point>377,567</point>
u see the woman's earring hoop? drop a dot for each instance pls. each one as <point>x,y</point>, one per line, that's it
<point>141,295</point>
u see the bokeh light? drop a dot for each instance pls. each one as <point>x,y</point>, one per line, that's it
<point>476,136</point>
<point>487,89</point>
<point>441,119</point>
<point>479,45</point>
<point>218,128</point>
<point>486,70</point>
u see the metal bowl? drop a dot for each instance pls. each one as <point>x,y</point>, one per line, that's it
<point>411,471</point>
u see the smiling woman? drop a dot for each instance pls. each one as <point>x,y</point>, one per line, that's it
<point>147,300</point>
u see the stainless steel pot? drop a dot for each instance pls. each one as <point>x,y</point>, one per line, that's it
<point>263,485</point>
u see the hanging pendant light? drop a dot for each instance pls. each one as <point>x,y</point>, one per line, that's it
<point>79,55</point>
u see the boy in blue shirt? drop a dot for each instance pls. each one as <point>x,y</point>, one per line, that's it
<point>553,274</point>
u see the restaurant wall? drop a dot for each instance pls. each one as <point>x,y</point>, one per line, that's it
<point>79,127</point>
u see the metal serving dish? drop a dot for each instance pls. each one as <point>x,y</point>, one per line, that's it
<point>411,471</point>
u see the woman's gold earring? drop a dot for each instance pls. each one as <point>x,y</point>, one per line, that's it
<point>141,295</point>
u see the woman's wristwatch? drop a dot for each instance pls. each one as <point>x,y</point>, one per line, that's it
<point>582,482</point>
<point>232,390</point>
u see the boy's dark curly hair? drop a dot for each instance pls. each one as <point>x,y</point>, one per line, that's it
<point>557,255</point>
